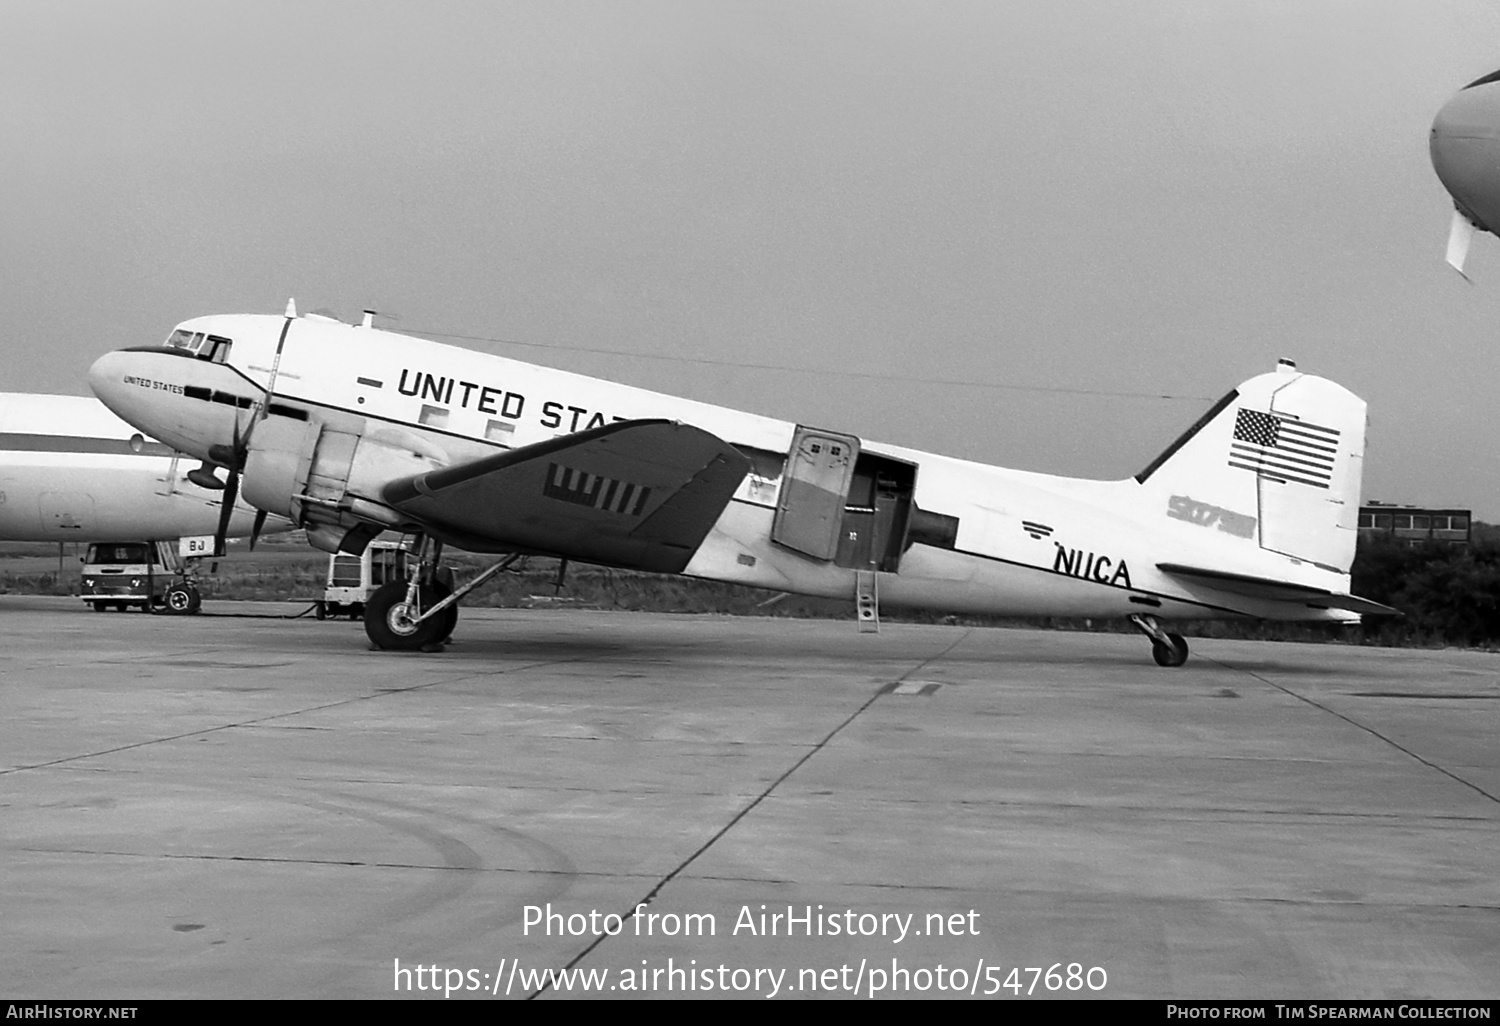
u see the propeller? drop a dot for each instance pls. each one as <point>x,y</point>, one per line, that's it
<point>234,457</point>
<point>234,462</point>
<point>255,528</point>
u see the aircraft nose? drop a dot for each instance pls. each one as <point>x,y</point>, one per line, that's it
<point>1465,149</point>
<point>107,379</point>
<point>123,381</point>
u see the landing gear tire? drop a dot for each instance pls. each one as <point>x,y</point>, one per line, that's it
<point>97,607</point>
<point>183,600</point>
<point>389,623</point>
<point>1173,654</point>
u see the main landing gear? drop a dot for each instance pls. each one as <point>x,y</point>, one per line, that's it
<point>420,613</point>
<point>404,616</point>
<point>1166,649</point>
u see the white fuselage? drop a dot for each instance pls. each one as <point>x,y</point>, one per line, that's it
<point>1023,543</point>
<point>70,470</point>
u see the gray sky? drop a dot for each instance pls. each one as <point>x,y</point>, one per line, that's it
<point>1063,197</point>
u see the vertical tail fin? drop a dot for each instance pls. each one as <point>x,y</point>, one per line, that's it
<point>1278,462</point>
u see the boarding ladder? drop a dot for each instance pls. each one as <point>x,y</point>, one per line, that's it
<point>169,482</point>
<point>867,600</point>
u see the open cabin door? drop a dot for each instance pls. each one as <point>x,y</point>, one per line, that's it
<point>810,513</point>
<point>843,505</point>
<point>874,531</point>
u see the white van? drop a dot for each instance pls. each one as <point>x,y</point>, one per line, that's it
<point>141,574</point>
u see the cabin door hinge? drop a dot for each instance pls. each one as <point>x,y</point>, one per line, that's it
<point>867,600</point>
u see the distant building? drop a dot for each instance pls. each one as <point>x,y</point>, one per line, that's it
<point>1416,524</point>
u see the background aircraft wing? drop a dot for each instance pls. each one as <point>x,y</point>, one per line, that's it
<point>639,494</point>
<point>1277,591</point>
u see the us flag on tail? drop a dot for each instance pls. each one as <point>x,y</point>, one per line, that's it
<point>1281,449</point>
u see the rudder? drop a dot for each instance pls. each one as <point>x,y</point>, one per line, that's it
<point>1278,461</point>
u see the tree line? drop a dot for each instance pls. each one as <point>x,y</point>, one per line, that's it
<point>1450,594</point>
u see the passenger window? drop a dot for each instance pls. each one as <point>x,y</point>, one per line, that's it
<point>764,478</point>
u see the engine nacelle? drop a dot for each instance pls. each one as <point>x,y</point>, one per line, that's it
<point>328,480</point>
<point>1465,148</point>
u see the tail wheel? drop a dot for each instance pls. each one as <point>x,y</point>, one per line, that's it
<point>1173,654</point>
<point>390,623</point>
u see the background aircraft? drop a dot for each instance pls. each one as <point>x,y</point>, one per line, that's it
<point>71,471</point>
<point>350,430</point>
<point>1465,147</point>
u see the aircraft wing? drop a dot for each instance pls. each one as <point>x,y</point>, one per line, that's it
<point>639,494</point>
<point>1277,591</point>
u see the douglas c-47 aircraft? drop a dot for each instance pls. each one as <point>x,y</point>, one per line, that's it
<point>351,430</point>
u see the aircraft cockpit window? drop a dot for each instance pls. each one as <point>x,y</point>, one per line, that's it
<point>201,344</point>
<point>216,348</point>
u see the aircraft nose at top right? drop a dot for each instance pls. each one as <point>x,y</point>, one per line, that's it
<point>1465,148</point>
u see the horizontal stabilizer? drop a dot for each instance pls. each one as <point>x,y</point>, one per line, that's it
<point>639,494</point>
<point>1277,591</point>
